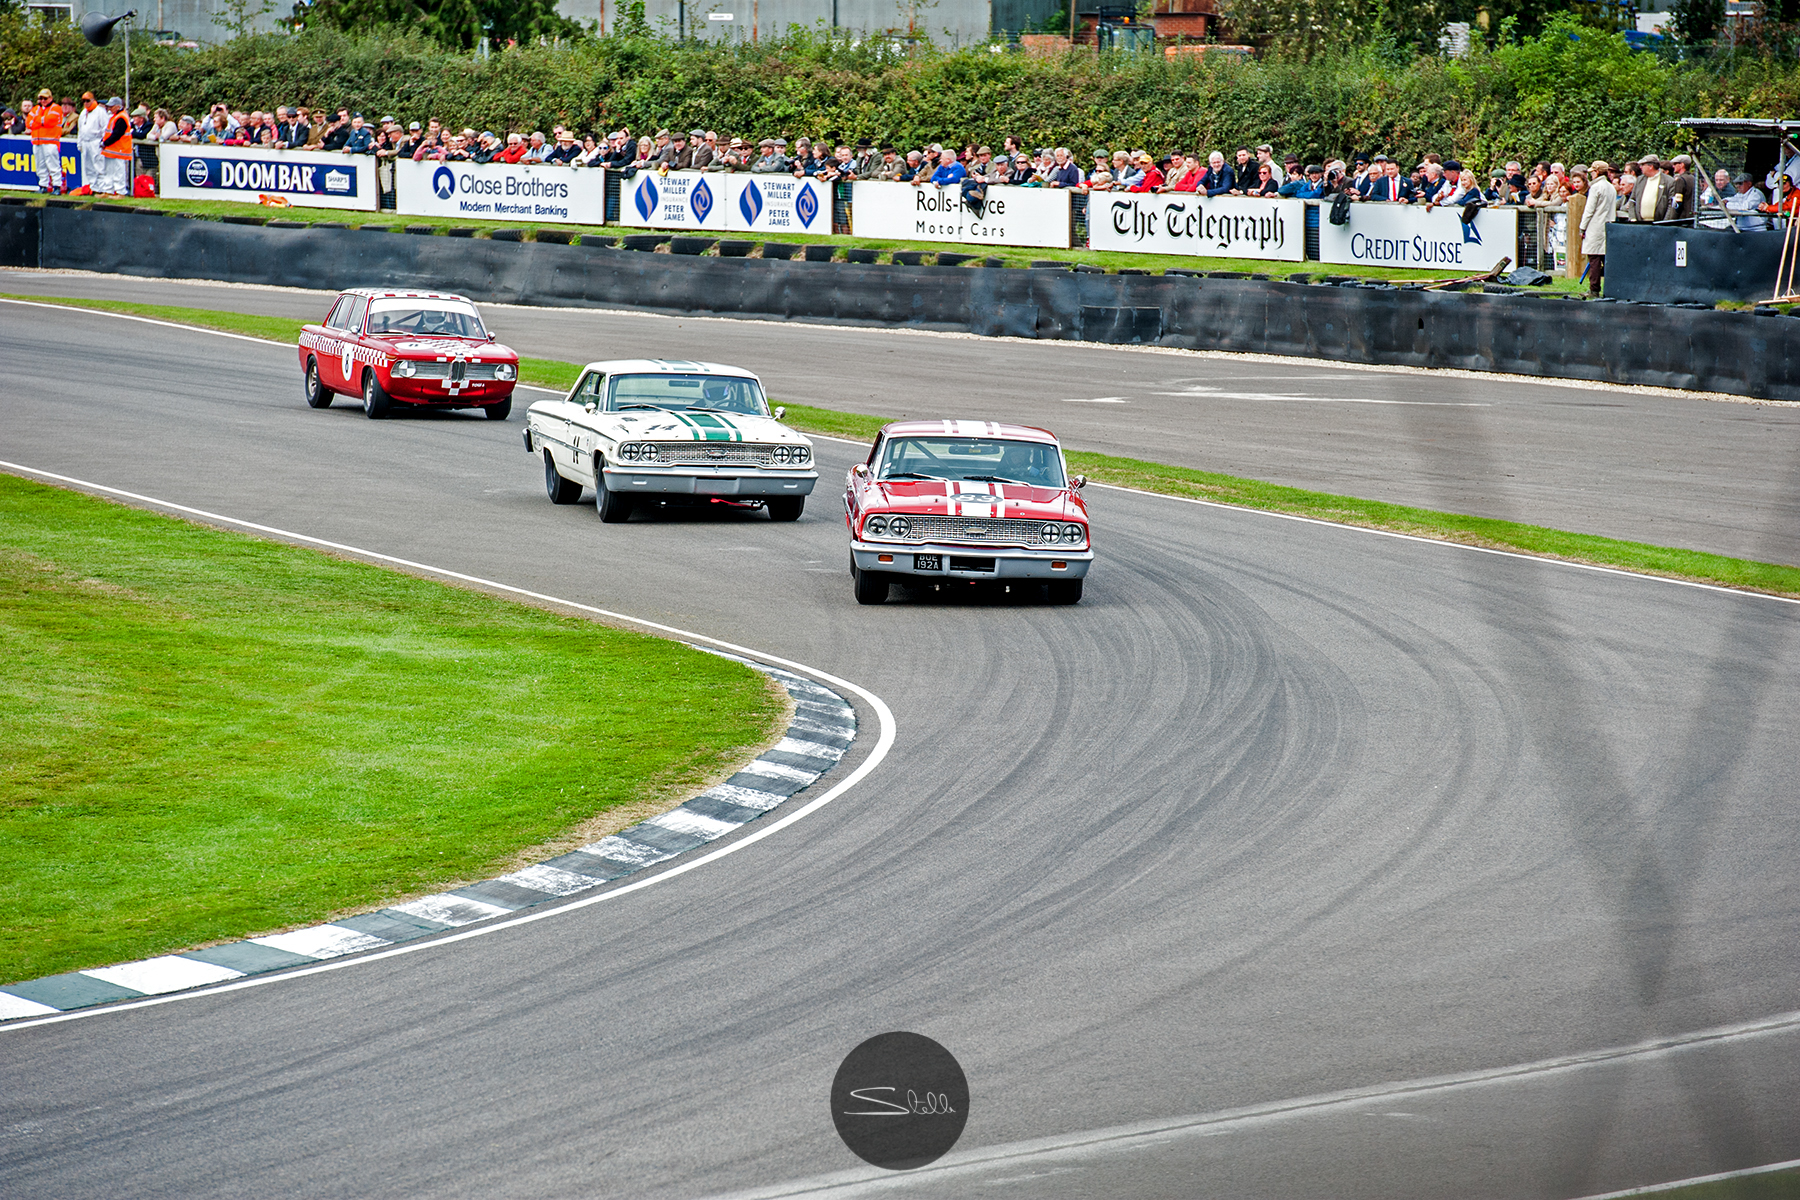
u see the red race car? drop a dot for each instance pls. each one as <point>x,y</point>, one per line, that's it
<point>966,500</point>
<point>392,346</point>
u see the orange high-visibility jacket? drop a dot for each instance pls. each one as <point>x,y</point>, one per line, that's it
<point>117,142</point>
<point>45,125</point>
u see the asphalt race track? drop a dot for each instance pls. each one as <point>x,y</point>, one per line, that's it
<point>1281,810</point>
<point>1720,475</point>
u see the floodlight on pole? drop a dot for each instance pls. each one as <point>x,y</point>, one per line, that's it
<point>98,30</point>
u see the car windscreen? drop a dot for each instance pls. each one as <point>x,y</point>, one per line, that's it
<point>434,318</point>
<point>986,460</point>
<point>722,393</point>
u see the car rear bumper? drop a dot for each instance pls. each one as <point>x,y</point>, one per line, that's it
<point>972,562</point>
<point>708,483</point>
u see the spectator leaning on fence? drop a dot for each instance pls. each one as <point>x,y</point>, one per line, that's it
<point>1746,203</point>
<point>1219,179</point>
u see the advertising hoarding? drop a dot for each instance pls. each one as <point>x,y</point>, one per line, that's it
<point>18,166</point>
<point>778,204</point>
<point>501,191</point>
<point>679,200</point>
<point>308,178</point>
<point>716,202</point>
<point>1012,216</point>
<point>1410,237</point>
<point>1188,223</point>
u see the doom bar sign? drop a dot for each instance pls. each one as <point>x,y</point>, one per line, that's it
<point>1187,223</point>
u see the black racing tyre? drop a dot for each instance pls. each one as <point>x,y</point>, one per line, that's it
<point>1066,591</point>
<point>871,586</point>
<point>500,411</point>
<point>375,398</point>
<point>317,394</point>
<point>785,508</point>
<point>613,507</point>
<point>562,491</point>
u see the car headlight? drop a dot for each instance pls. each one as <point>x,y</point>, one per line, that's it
<point>638,452</point>
<point>875,526</point>
<point>899,527</point>
<point>1051,532</point>
<point>801,455</point>
<point>1074,534</point>
<point>782,454</point>
<point>403,368</point>
<point>506,371</point>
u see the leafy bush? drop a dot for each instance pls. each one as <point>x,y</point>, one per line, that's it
<point>1572,93</point>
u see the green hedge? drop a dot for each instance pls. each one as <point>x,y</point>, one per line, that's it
<point>1572,94</point>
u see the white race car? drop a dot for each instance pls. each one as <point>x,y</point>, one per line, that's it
<point>657,430</point>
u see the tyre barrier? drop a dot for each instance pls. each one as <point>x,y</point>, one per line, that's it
<point>1528,333</point>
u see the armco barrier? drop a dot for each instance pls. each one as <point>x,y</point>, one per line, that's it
<point>1525,333</point>
<point>1671,264</point>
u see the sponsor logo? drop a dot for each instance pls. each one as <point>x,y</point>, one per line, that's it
<point>1470,233</point>
<point>337,181</point>
<point>700,202</point>
<point>195,172</point>
<point>443,182</point>
<point>751,203</point>
<point>646,198</point>
<point>807,206</point>
<point>900,1101</point>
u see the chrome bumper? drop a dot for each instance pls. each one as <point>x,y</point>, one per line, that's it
<point>708,483</point>
<point>1008,562</point>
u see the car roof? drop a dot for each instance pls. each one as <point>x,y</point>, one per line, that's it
<point>404,294</point>
<point>969,429</point>
<point>666,366</point>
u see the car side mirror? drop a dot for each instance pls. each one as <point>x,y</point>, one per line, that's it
<point>591,405</point>
<point>1079,482</point>
<point>780,411</point>
<point>860,470</point>
<point>492,338</point>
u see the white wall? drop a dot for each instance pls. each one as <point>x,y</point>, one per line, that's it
<point>947,22</point>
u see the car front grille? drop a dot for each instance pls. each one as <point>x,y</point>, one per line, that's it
<point>715,454</point>
<point>453,370</point>
<point>1000,530</point>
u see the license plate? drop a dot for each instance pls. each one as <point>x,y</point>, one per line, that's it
<point>928,562</point>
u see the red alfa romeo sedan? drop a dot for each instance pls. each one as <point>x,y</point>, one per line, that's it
<point>389,347</point>
<point>966,500</point>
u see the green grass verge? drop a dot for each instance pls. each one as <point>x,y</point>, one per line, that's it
<point>211,736</point>
<point>1012,256</point>
<point>1250,493</point>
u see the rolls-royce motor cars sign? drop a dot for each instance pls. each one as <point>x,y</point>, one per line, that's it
<point>1189,223</point>
<point>1011,216</point>
<point>304,177</point>
<point>1411,237</point>
<point>502,192</point>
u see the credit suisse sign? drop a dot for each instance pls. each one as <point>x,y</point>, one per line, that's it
<point>1188,223</point>
<point>1406,235</point>
<point>302,177</point>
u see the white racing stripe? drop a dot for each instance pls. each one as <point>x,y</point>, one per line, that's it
<point>959,1172</point>
<point>884,742</point>
<point>170,973</point>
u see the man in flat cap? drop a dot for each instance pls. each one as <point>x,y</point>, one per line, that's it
<point>1746,204</point>
<point>1684,192</point>
<point>1597,214</point>
<point>1650,195</point>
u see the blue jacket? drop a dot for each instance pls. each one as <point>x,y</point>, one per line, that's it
<point>1217,183</point>
<point>362,141</point>
<point>1299,188</point>
<point>949,174</point>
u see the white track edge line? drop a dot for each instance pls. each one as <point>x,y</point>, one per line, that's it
<point>1111,487</point>
<point>883,743</point>
<point>1651,1189</point>
<point>856,1181</point>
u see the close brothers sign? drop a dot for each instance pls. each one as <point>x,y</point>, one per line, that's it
<point>501,191</point>
<point>1410,236</point>
<point>1186,223</point>
<point>246,173</point>
<point>1012,216</point>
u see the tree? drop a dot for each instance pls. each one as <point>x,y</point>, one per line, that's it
<point>241,16</point>
<point>1696,21</point>
<point>457,23</point>
<point>1304,28</point>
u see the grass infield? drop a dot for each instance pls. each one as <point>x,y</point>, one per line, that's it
<point>1674,563</point>
<point>212,736</point>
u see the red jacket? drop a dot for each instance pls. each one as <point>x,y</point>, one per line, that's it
<point>1188,183</point>
<point>1152,180</point>
<point>512,154</point>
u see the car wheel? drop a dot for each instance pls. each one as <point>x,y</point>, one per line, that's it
<point>500,411</point>
<point>375,397</point>
<point>317,394</point>
<point>613,507</point>
<point>871,586</point>
<point>786,508</point>
<point>562,491</point>
<point>1066,591</point>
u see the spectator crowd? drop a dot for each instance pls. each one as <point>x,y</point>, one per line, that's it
<point>1595,195</point>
